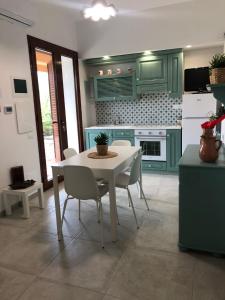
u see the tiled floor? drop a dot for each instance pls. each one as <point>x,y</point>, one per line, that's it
<point>143,264</point>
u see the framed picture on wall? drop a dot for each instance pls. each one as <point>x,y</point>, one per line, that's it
<point>19,86</point>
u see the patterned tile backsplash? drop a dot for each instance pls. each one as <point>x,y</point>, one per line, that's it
<point>154,108</point>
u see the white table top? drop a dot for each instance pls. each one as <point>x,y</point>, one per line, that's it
<point>124,153</point>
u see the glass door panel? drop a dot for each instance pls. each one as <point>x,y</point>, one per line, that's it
<point>49,113</point>
<point>70,102</point>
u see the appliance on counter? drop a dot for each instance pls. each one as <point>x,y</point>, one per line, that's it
<point>196,79</point>
<point>196,109</point>
<point>152,142</point>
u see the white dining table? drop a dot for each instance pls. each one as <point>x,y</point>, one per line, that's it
<point>107,169</point>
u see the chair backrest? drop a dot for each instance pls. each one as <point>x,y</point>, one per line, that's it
<point>80,182</point>
<point>69,152</point>
<point>121,143</point>
<point>135,169</point>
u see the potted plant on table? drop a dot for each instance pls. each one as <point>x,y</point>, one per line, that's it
<point>217,69</point>
<point>101,141</point>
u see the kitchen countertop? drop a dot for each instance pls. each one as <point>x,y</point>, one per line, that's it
<point>121,126</point>
<point>191,158</point>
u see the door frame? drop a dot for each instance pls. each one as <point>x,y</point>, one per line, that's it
<point>56,51</point>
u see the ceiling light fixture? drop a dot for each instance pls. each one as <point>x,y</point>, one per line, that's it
<point>188,46</point>
<point>100,10</point>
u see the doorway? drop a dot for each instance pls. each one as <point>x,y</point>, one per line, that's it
<point>55,80</point>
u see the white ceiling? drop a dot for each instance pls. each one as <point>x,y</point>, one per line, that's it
<point>75,7</point>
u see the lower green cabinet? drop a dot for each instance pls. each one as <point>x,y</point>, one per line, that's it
<point>90,135</point>
<point>153,165</point>
<point>123,134</point>
<point>173,149</point>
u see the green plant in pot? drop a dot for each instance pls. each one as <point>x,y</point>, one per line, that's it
<point>101,141</point>
<point>217,69</point>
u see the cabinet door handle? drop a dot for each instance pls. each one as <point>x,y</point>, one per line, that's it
<point>168,135</point>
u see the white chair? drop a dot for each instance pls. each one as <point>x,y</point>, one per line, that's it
<point>124,180</point>
<point>121,143</point>
<point>69,152</point>
<point>80,183</point>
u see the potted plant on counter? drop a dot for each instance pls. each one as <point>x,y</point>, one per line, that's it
<point>217,69</point>
<point>101,141</point>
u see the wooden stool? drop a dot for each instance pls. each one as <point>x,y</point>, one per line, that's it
<point>24,195</point>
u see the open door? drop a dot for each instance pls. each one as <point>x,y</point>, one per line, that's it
<point>56,92</point>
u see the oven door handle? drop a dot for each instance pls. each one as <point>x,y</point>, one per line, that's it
<point>145,138</point>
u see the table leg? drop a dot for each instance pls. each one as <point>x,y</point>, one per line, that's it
<point>57,204</point>
<point>26,207</point>
<point>41,197</point>
<point>7,205</point>
<point>113,213</point>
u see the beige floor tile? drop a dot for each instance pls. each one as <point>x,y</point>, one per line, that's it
<point>13,284</point>
<point>209,278</point>
<point>46,290</point>
<point>85,264</point>
<point>159,230</point>
<point>37,216</point>
<point>32,253</point>
<point>9,235</point>
<point>142,274</point>
<point>107,297</point>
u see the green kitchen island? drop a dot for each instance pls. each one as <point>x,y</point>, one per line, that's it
<point>201,202</point>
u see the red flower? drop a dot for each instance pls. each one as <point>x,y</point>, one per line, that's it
<point>212,124</point>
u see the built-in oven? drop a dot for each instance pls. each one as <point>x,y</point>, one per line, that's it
<point>153,144</point>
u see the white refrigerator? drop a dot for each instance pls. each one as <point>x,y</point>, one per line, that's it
<point>196,109</point>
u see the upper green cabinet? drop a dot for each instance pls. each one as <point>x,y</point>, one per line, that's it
<point>115,87</point>
<point>152,69</point>
<point>160,73</point>
<point>175,71</point>
<point>173,149</point>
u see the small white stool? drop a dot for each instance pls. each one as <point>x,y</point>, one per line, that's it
<point>24,195</point>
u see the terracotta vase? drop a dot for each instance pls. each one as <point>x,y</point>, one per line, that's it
<point>209,146</point>
<point>217,76</point>
<point>102,150</point>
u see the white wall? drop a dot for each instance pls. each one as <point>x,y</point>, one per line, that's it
<point>88,107</point>
<point>200,57</point>
<point>200,23</point>
<point>52,26</point>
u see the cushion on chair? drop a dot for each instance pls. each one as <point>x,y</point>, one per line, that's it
<point>122,180</point>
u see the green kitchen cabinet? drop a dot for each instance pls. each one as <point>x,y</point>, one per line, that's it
<point>123,134</point>
<point>90,135</point>
<point>115,87</point>
<point>173,149</point>
<point>175,71</point>
<point>152,70</point>
<point>153,165</point>
<point>201,202</point>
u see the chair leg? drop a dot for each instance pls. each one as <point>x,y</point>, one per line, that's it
<point>118,221</point>
<point>132,205</point>
<point>101,221</point>
<point>98,213</point>
<point>64,209</point>
<point>143,195</point>
<point>79,204</point>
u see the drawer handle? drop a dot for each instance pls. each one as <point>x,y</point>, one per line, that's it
<point>149,166</point>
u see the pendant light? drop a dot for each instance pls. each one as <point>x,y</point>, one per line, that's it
<point>100,10</point>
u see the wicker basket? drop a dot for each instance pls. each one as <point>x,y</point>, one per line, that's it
<point>218,76</point>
